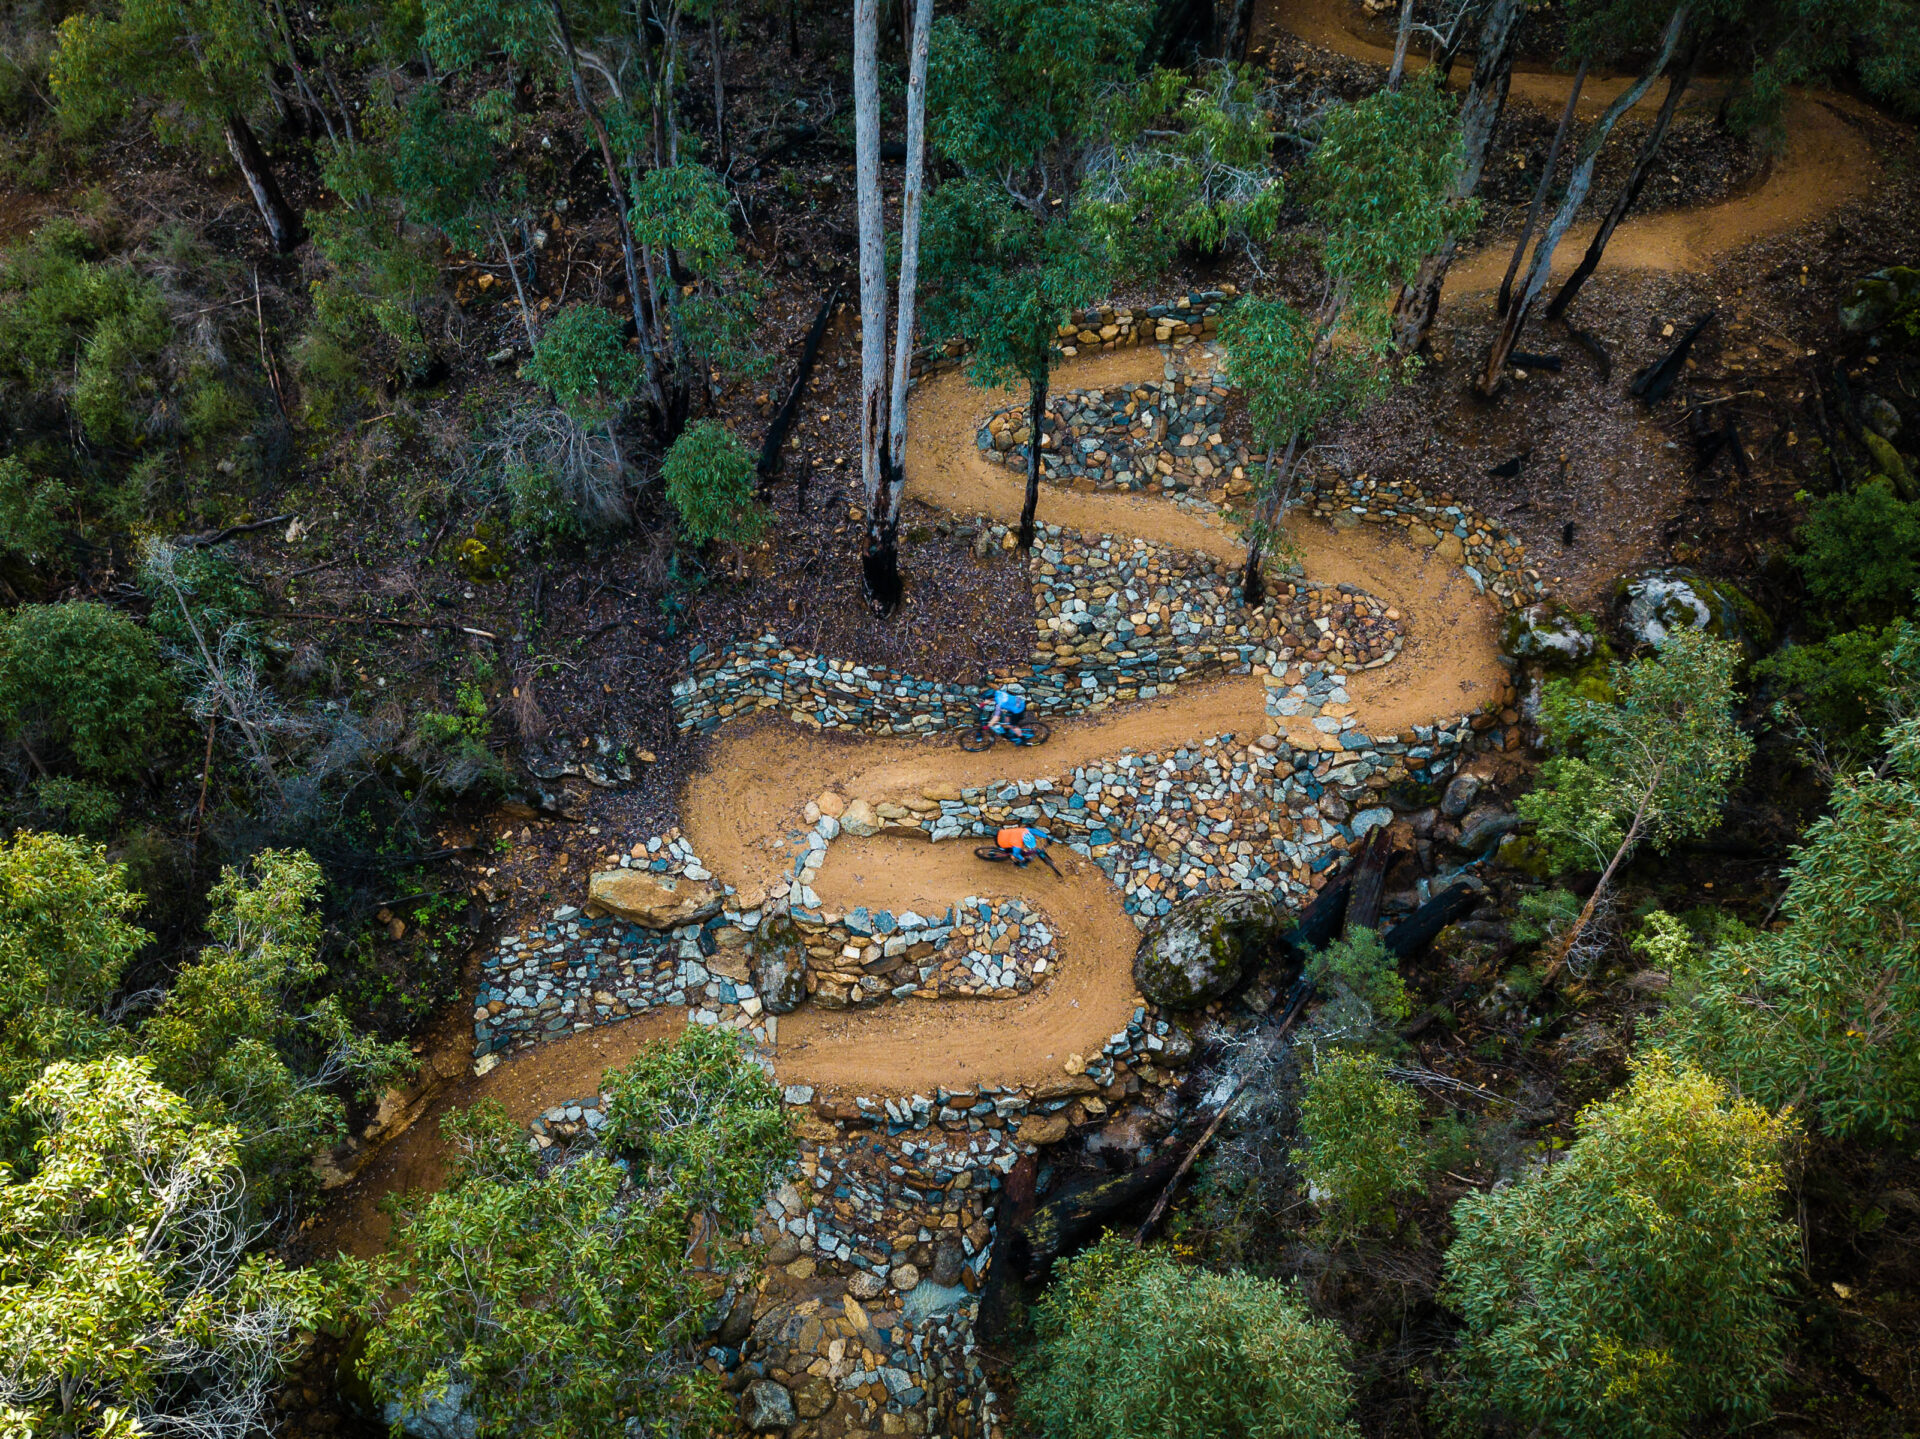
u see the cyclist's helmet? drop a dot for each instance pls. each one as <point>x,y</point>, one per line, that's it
<point>1012,703</point>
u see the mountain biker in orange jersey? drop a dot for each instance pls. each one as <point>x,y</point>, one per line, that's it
<point>1023,842</point>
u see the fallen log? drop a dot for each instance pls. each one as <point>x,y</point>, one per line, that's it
<point>1652,384</point>
<point>1369,882</point>
<point>783,421</point>
<point>1410,937</point>
<point>1526,360</point>
<point>1591,343</point>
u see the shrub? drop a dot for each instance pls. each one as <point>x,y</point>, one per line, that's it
<point>1860,553</point>
<point>65,938</point>
<point>86,678</point>
<point>1825,1011</point>
<point>538,503</point>
<point>1632,1288</point>
<point>1363,1139</point>
<point>1835,688</point>
<point>240,1036</point>
<point>30,511</point>
<point>582,357</point>
<point>562,1298</point>
<point>73,328</point>
<point>710,477</point>
<point>1133,1345</point>
<point>1360,964</point>
<point>702,1120</point>
<point>131,1301</point>
<point>1653,765</point>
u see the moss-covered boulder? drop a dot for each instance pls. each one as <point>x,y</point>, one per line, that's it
<point>778,959</point>
<point>1551,634</point>
<point>1889,462</point>
<point>1874,300</point>
<point>1653,603</point>
<point>1203,947</point>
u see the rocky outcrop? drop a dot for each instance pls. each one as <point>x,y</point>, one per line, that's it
<point>657,901</point>
<point>1201,949</point>
<point>767,1408</point>
<point>779,965</point>
<point>1873,300</point>
<point>1654,603</point>
<point>1549,634</point>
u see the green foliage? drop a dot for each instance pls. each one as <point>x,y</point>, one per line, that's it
<point>65,938</point>
<point>1183,164</point>
<point>1293,380</point>
<point>582,358</point>
<point>1655,765</point>
<point>686,208</point>
<point>240,1036</point>
<point>702,1120</point>
<point>217,598</point>
<point>468,722</point>
<point>1013,95</point>
<point>1359,965</point>
<point>1860,553</point>
<point>1825,1011</point>
<point>441,163</point>
<point>1835,688</point>
<point>563,1297</point>
<point>1631,1288</point>
<point>1003,279</point>
<point>88,680</point>
<point>31,513</point>
<point>1377,182</point>
<point>1544,915</point>
<point>1362,1133</point>
<point>77,331</point>
<point>1133,1345</point>
<point>128,1303</point>
<point>82,806</point>
<point>1017,82</point>
<point>202,61</point>
<point>709,477</point>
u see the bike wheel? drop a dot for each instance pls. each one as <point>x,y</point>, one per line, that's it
<point>974,740</point>
<point>992,853</point>
<point>1038,732</point>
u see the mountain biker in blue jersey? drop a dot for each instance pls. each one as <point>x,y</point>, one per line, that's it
<point>1007,709</point>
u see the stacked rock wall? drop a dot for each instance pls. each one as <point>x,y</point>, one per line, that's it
<point>1490,556</point>
<point>1108,327</point>
<point>1117,620</point>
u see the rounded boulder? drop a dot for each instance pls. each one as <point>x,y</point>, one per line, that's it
<point>1202,948</point>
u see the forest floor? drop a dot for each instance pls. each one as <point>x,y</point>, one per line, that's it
<point>1602,486</point>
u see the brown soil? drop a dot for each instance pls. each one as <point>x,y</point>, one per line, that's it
<point>353,1223</point>
<point>1826,161</point>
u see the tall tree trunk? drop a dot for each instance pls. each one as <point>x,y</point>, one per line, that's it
<point>283,225</point>
<point>519,290</point>
<point>1037,424</point>
<point>883,521</point>
<point>1629,192</point>
<point>1238,31</point>
<point>638,296</point>
<point>873,273</point>
<point>1542,190</point>
<point>1272,510</point>
<point>1480,112</point>
<point>1578,184</point>
<point>1397,71</point>
<point>719,92</point>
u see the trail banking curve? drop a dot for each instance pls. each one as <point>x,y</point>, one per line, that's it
<point>1825,161</point>
<point>758,776</point>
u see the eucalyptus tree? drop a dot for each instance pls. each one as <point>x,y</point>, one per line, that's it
<point>204,66</point>
<point>1480,110</point>
<point>1378,185</point>
<point>1012,98</point>
<point>883,433</point>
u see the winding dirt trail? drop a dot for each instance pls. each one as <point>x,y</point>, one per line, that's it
<point>760,774</point>
<point>1826,161</point>
<point>758,777</point>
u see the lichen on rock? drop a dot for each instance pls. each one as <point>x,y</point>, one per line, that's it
<point>1654,603</point>
<point>1202,948</point>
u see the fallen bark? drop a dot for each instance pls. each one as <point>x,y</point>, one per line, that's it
<point>783,420</point>
<point>1656,381</point>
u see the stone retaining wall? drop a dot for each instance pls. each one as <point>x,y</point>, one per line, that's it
<point>1116,620</point>
<point>1492,557</point>
<point>1108,327</point>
